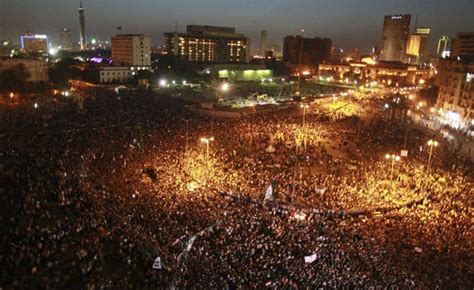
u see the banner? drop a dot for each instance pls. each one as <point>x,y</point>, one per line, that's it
<point>321,190</point>
<point>269,193</point>
<point>157,263</point>
<point>310,259</point>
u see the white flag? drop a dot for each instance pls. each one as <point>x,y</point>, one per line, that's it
<point>269,193</point>
<point>321,190</point>
<point>310,259</point>
<point>157,263</point>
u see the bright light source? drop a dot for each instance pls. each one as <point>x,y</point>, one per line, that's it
<point>53,51</point>
<point>184,82</point>
<point>386,106</point>
<point>306,73</point>
<point>225,87</point>
<point>12,95</point>
<point>35,106</point>
<point>93,41</point>
<point>163,83</point>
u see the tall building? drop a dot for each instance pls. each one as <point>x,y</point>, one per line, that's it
<point>263,43</point>
<point>131,50</point>
<point>312,51</point>
<point>396,29</point>
<point>456,91</point>
<point>444,47</point>
<point>34,43</point>
<point>463,45</point>
<point>209,44</point>
<point>65,39</point>
<point>417,46</point>
<point>82,26</point>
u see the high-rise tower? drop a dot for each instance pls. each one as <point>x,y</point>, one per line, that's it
<point>82,23</point>
<point>263,43</point>
<point>396,29</point>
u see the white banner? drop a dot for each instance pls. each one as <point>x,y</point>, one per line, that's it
<point>310,259</point>
<point>269,193</point>
<point>321,190</point>
<point>157,263</point>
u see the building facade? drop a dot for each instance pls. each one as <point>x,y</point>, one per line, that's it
<point>263,43</point>
<point>444,47</point>
<point>388,73</point>
<point>455,80</point>
<point>131,50</point>
<point>116,74</point>
<point>396,30</point>
<point>417,46</point>
<point>306,51</point>
<point>209,44</point>
<point>36,43</point>
<point>463,45</point>
<point>65,39</point>
<point>37,69</point>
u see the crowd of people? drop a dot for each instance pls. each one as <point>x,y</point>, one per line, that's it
<point>93,197</point>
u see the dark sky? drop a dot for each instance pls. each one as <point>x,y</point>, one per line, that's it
<point>349,23</point>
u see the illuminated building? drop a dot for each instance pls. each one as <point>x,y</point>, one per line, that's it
<point>82,26</point>
<point>395,33</point>
<point>455,80</point>
<point>240,72</point>
<point>463,45</point>
<point>417,46</point>
<point>388,73</point>
<point>444,47</point>
<point>263,43</point>
<point>209,44</point>
<point>65,39</point>
<point>35,43</point>
<point>131,50</point>
<point>37,69</point>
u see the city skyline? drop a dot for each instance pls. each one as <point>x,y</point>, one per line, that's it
<point>361,27</point>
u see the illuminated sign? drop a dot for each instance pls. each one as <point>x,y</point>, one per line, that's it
<point>397,17</point>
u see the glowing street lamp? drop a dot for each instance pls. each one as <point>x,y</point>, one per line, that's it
<point>225,87</point>
<point>207,141</point>
<point>12,95</point>
<point>394,158</point>
<point>305,107</point>
<point>431,143</point>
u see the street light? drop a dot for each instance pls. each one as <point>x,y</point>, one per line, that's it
<point>304,106</point>
<point>207,141</point>
<point>225,87</point>
<point>431,143</point>
<point>394,158</point>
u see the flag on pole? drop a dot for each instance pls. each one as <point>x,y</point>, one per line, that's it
<point>310,259</point>
<point>157,263</point>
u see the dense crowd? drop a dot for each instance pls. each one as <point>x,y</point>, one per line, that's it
<point>93,197</point>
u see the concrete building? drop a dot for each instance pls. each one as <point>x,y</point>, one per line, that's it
<point>37,69</point>
<point>65,39</point>
<point>444,47</point>
<point>131,50</point>
<point>388,73</point>
<point>312,51</point>
<point>36,43</point>
<point>455,80</point>
<point>396,29</point>
<point>209,44</point>
<point>463,45</point>
<point>116,74</point>
<point>263,43</point>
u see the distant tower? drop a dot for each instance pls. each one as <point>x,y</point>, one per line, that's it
<point>263,43</point>
<point>82,23</point>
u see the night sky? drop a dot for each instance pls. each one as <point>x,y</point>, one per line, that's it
<point>349,23</point>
